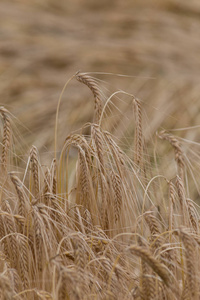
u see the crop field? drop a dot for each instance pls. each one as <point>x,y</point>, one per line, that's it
<point>99,150</point>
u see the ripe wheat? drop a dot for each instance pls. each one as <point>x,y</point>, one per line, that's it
<point>97,224</point>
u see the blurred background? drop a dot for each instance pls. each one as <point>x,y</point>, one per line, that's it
<point>43,43</point>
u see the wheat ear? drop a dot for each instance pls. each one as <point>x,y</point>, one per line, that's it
<point>193,215</point>
<point>117,187</point>
<point>91,83</point>
<point>179,157</point>
<point>6,136</point>
<point>20,192</point>
<point>138,132</point>
<point>147,283</point>
<point>182,199</point>
<point>10,228</point>
<point>54,172</point>
<point>24,261</point>
<point>6,291</point>
<point>156,266</point>
<point>98,140</point>
<point>190,254</point>
<point>34,168</point>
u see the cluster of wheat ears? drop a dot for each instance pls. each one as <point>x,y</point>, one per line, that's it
<point>101,228</point>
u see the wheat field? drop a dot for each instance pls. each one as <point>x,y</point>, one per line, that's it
<point>99,222</point>
<point>99,184</point>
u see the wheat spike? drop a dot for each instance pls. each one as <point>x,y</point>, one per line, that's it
<point>156,266</point>
<point>63,291</point>
<point>155,230</point>
<point>117,187</point>
<point>148,288</point>
<point>47,188</point>
<point>54,171</point>
<point>192,214</point>
<point>6,136</point>
<point>38,236</point>
<point>16,282</point>
<point>3,233</point>
<point>6,290</point>
<point>34,168</point>
<point>190,254</point>
<point>179,156</point>
<point>88,221</point>
<point>24,261</point>
<point>20,192</point>
<point>172,193</point>
<point>80,260</point>
<point>182,199</point>
<point>138,132</point>
<point>91,83</point>
<point>97,136</point>
<point>10,228</point>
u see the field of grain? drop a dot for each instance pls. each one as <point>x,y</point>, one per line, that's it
<point>99,152</point>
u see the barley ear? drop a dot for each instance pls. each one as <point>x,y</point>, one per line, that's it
<point>191,258</point>
<point>179,156</point>
<point>138,132</point>
<point>20,192</point>
<point>6,136</point>
<point>91,83</point>
<point>34,169</point>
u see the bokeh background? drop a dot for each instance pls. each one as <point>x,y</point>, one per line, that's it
<point>43,43</point>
